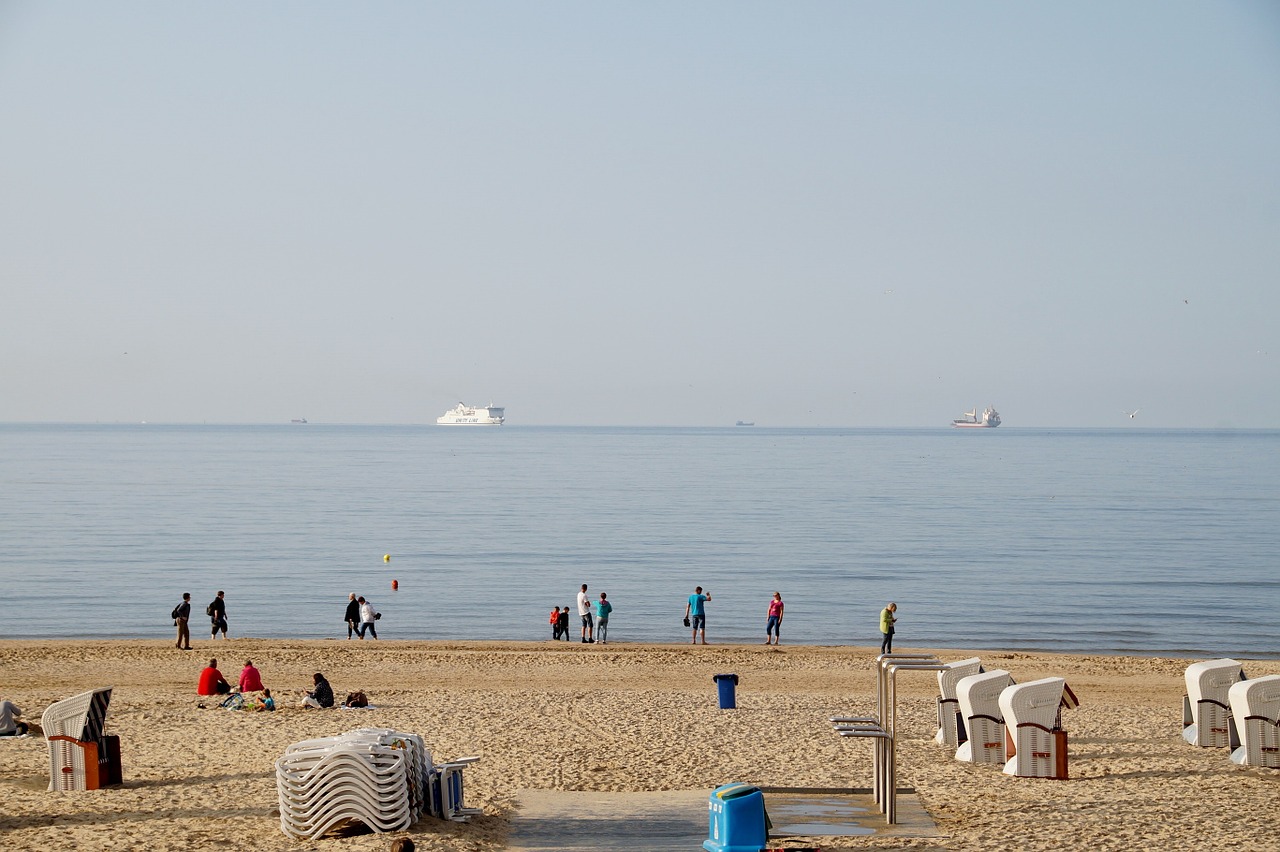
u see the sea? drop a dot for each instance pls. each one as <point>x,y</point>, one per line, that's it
<point>1114,541</point>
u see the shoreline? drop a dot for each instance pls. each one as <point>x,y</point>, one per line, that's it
<point>615,718</point>
<point>547,644</point>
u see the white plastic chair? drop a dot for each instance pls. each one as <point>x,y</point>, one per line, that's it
<point>979,698</point>
<point>951,728</point>
<point>1255,707</point>
<point>1206,714</point>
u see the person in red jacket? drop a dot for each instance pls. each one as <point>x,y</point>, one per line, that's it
<point>250,678</point>
<point>212,682</point>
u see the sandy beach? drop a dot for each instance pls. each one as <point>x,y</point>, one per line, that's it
<point>618,718</point>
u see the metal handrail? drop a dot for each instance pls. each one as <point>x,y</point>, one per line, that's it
<point>883,726</point>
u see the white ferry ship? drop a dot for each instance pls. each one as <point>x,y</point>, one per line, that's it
<point>989,419</point>
<point>466,415</point>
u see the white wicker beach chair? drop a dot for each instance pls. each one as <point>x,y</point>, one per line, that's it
<point>1255,708</point>
<point>979,699</point>
<point>951,728</point>
<point>1206,714</point>
<point>81,755</point>
<point>1031,716</point>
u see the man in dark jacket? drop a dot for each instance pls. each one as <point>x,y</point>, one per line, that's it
<point>353,615</point>
<point>181,615</point>
<point>218,615</point>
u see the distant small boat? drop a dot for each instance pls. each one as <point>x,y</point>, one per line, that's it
<point>989,419</point>
<point>299,420</point>
<point>744,423</point>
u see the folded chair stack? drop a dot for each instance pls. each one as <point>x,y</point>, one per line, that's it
<point>376,777</point>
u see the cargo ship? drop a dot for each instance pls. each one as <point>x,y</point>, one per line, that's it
<point>989,419</point>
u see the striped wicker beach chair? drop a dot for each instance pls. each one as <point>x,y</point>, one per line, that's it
<point>1255,709</point>
<point>1206,714</point>
<point>979,698</point>
<point>81,755</point>
<point>951,727</point>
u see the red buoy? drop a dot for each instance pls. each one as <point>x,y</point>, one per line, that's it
<point>395,584</point>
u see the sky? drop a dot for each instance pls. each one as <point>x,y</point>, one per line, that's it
<point>817,214</point>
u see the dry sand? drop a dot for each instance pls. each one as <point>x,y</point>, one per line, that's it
<point>617,718</point>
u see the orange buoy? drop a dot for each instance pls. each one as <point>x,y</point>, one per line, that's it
<point>395,584</point>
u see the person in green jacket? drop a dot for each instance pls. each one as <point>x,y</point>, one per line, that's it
<point>887,619</point>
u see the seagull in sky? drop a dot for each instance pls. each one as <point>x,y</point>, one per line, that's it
<point>1134,413</point>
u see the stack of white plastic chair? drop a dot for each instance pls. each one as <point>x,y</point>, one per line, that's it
<point>1255,706</point>
<point>1032,717</point>
<point>81,755</point>
<point>377,777</point>
<point>1206,714</point>
<point>951,728</point>
<point>979,698</point>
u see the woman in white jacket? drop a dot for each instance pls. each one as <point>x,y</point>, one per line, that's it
<point>367,617</point>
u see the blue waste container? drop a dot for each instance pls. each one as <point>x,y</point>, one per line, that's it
<point>736,819</point>
<point>727,683</point>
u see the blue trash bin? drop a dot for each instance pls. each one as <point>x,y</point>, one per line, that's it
<point>727,683</point>
<point>736,819</point>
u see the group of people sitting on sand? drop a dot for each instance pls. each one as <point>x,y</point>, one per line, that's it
<point>254,696</point>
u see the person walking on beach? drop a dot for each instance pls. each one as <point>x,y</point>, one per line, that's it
<point>774,624</point>
<point>181,615</point>
<point>217,611</point>
<point>887,619</point>
<point>695,613</point>
<point>584,610</point>
<point>554,621</point>
<point>564,623</point>
<point>353,615</point>
<point>603,608</point>
<point>368,615</point>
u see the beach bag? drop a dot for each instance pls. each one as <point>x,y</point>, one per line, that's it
<point>356,699</point>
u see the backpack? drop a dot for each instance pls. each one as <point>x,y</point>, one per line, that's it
<point>209,609</point>
<point>174,614</point>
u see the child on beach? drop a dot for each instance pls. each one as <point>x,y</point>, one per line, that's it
<point>564,623</point>
<point>555,623</point>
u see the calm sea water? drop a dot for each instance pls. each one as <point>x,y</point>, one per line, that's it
<point>1116,541</point>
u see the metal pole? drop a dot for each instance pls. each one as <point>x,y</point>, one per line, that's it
<point>921,664</point>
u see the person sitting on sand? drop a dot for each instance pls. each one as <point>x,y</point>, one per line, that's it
<point>9,724</point>
<point>212,682</point>
<point>403,844</point>
<point>250,678</point>
<point>268,703</point>
<point>321,696</point>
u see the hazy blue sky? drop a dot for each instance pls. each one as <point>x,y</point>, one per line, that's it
<point>651,213</point>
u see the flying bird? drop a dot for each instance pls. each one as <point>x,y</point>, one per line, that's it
<point>1134,413</point>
